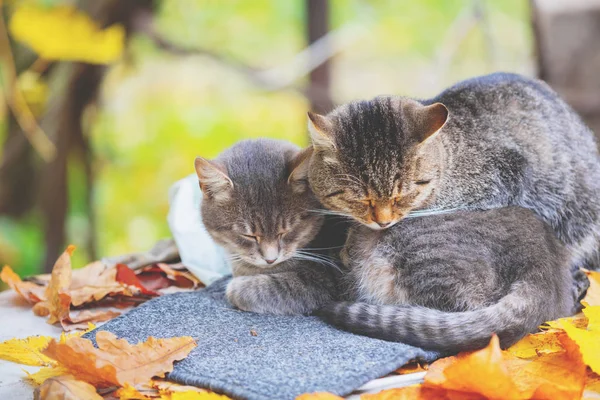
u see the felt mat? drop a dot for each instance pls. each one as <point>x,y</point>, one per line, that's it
<point>256,356</point>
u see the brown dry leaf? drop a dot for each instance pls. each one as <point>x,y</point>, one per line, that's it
<point>96,274</point>
<point>181,278</point>
<point>412,368</point>
<point>81,319</point>
<point>89,294</point>
<point>66,388</point>
<point>170,387</point>
<point>57,293</point>
<point>592,296</point>
<point>116,362</point>
<point>29,291</point>
<point>319,396</point>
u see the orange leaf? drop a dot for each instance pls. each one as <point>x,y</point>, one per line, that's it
<point>419,392</point>
<point>57,292</point>
<point>497,375</point>
<point>592,297</point>
<point>412,367</point>
<point>66,388</point>
<point>29,291</point>
<point>116,362</point>
<point>318,396</point>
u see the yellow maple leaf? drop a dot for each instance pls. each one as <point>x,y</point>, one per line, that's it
<point>45,373</point>
<point>588,339</point>
<point>26,351</point>
<point>193,395</point>
<point>65,33</point>
<point>318,396</point>
<point>535,344</point>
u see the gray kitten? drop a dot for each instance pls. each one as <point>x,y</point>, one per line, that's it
<point>258,206</point>
<point>487,142</point>
<point>448,282</point>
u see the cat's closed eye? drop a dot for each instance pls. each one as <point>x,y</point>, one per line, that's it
<point>251,237</point>
<point>422,182</point>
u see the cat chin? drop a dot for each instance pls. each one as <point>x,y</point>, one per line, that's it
<point>376,227</point>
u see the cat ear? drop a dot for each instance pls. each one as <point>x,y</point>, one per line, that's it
<point>320,131</point>
<point>429,120</point>
<point>214,181</point>
<point>298,166</point>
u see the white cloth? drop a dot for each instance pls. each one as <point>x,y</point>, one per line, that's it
<point>199,253</point>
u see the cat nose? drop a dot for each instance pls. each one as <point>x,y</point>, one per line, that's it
<point>270,261</point>
<point>383,224</point>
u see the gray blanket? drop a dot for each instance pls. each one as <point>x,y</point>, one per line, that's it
<point>260,357</point>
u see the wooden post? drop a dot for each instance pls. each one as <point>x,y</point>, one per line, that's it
<point>566,36</point>
<point>317,23</point>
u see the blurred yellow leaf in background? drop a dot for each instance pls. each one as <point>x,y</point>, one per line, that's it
<point>64,33</point>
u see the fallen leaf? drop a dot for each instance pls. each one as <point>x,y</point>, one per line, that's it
<point>412,368</point>
<point>319,396</point>
<point>26,351</point>
<point>588,340</point>
<point>592,386</point>
<point>95,274</point>
<point>537,344</point>
<point>195,396</point>
<point>482,372</point>
<point>81,319</point>
<point>592,296</point>
<point>39,377</point>
<point>494,374</point>
<point>89,294</point>
<point>29,291</point>
<point>167,386</point>
<point>154,280</point>
<point>419,392</point>
<point>182,278</point>
<point>57,293</point>
<point>552,376</point>
<point>66,388</point>
<point>116,362</point>
<point>127,276</point>
<point>128,392</point>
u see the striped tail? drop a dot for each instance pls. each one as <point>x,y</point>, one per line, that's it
<point>516,314</point>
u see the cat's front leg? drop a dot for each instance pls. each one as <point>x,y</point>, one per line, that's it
<point>284,293</point>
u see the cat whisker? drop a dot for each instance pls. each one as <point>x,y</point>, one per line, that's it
<point>424,213</point>
<point>318,258</point>
<point>329,212</point>
<point>320,248</point>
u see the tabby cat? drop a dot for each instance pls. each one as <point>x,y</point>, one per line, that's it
<point>487,142</point>
<point>447,282</point>
<point>258,206</point>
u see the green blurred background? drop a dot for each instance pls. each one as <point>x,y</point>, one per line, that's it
<point>158,108</point>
